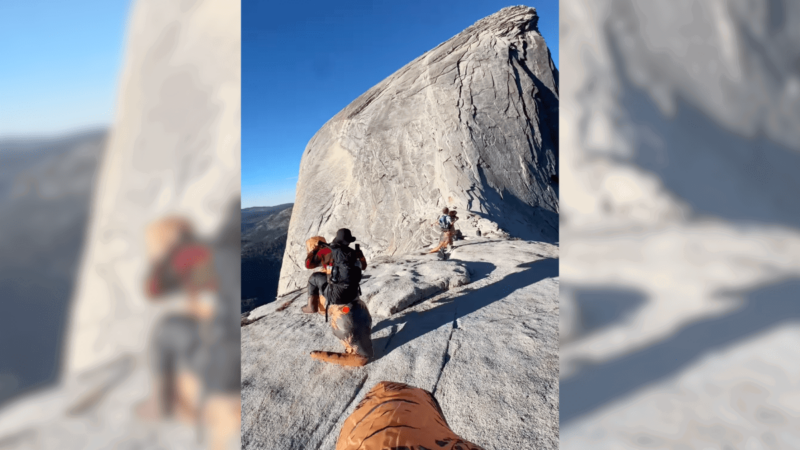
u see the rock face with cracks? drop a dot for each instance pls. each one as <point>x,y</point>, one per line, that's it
<point>471,124</point>
<point>394,284</point>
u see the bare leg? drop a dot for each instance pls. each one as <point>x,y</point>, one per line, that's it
<point>321,304</point>
<point>187,397</point>
<point>150,409</point>
<point>222,418</point>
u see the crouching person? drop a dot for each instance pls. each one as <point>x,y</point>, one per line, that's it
<point>335,292</point>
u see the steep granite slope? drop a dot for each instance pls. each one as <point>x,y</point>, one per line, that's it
<point>470,124</point>
<point>487,348</point>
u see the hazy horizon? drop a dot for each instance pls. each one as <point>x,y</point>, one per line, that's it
<point>56,135</point>
<point>267,206</point>
<point>66,59</point>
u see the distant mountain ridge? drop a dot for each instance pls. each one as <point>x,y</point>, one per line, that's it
<point>253,215</point>
<point>264,230</point>
<point>46,187</point>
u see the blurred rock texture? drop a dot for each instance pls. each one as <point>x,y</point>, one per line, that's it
<point>680,224</point>
<point>173,150</point>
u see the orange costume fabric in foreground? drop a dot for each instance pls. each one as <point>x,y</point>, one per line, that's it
<point>399,416</point>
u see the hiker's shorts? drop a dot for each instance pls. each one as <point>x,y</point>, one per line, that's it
<point>178,346</point>
<point>317,283</point>
<point>335,294</point>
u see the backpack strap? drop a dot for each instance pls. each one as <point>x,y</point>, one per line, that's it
<point>327,300</point>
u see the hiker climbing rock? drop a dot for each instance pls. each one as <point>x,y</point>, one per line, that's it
<point>335,291</point>
<point>396,415</point>
<point>451,232</point>
<point>320,254</point>
<point>446,224</point>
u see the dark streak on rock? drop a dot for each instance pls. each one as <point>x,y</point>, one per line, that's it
<point>446,357</point>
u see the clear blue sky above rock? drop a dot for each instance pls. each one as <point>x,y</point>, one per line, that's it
<point>303,62</point>
<point>59,64</point>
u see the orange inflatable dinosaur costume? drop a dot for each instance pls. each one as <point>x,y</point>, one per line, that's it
<point>399,416</point>
<point>351,322</point>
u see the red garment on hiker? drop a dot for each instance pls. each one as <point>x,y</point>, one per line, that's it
<point>323,257</point>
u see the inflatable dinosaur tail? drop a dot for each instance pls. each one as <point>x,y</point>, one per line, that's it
<point>343,359</point>
<point>396,415</point>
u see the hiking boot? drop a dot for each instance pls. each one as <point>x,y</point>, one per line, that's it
<point>311,307</point>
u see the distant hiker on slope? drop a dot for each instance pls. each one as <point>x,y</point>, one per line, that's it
<point>335,290</point>
<point>446,224</point>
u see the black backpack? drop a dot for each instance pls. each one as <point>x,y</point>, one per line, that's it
<point>345,269</point>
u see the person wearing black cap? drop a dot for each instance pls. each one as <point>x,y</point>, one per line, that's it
<point>336,288</point>
<point>338,285</point>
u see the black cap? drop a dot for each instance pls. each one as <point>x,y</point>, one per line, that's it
<point>343,235</point>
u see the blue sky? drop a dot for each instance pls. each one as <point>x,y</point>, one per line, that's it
<point>59,64</point>
<point>303,62</point>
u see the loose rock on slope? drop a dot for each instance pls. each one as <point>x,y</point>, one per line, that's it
<point>393,285</point>
<point>471,124</point>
